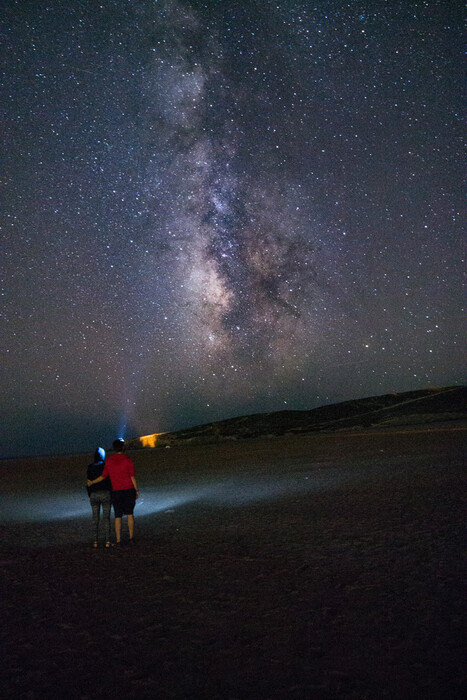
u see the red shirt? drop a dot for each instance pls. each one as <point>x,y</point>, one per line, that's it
<point>120,469</point>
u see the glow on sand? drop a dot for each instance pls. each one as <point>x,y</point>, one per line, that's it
<point>149,440</point>
<point>42,506</point>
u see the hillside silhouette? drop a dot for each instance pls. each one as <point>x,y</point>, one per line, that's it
<point>422,407</point>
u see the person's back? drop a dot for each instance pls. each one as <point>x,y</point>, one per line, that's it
<point>120,470</point>
<point>95,469</point>
<point>99,495</point>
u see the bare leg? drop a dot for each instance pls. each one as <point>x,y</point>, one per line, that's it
<point>118,529</point>
<point>131,525</point>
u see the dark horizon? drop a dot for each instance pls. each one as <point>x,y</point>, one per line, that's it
<point>129,438</point>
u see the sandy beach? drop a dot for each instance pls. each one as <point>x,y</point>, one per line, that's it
<point>322,567</point>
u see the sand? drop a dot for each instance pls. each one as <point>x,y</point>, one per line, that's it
<point>310,567</point>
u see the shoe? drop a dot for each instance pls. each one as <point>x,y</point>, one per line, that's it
<point>132,540</point>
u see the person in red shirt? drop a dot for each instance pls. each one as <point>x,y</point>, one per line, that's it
<point>121,471</point>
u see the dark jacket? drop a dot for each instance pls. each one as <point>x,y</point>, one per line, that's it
<point>94,471</point>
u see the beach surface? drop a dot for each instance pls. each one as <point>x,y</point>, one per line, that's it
<point>321,566</point>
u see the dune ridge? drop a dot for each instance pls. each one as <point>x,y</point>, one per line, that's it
<point>426,406</point>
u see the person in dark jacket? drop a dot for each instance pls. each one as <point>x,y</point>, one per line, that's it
<point>99,495</point>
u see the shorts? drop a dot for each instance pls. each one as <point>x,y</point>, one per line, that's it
<point>123,502</point>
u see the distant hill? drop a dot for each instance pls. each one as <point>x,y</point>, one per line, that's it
<point>422,407</point>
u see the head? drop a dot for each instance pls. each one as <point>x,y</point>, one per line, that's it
<point>99,455</point>
<point>118,445</point>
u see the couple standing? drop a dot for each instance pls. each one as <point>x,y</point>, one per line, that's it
<point>112,482</point>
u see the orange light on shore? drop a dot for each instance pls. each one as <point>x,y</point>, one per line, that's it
<point>149,440</point>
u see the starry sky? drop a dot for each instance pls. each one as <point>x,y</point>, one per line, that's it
<point>212,209</point>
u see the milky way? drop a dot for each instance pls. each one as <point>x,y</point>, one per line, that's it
<point>221,208</point>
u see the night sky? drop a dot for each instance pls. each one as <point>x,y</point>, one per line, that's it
<point>212,209</point>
